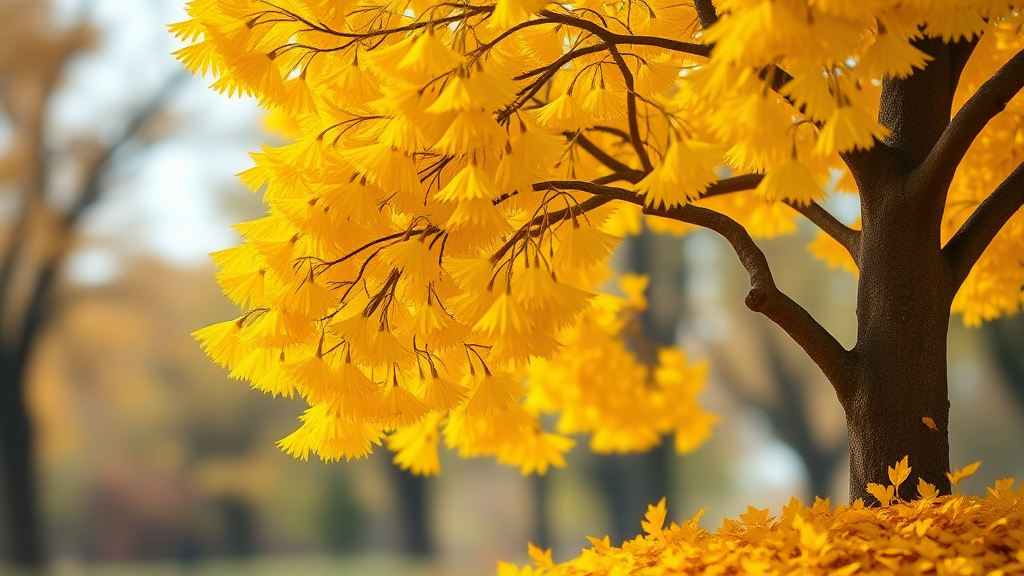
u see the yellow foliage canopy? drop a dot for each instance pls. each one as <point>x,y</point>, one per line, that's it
<point>440,222</point>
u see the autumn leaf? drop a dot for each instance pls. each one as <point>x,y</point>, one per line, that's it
<point>654,520</point>
<point>898,474</point>
<point>541,558</point>
<point>962,473</point>
<point>884,494</point>
<point>926,490</point>
<point>600,544</point>
<point>954,532</point>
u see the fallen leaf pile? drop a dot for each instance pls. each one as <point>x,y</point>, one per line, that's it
<point>941,535</point>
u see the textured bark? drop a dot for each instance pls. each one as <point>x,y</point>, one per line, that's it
<point>899,368</point>
<point>898,374</point>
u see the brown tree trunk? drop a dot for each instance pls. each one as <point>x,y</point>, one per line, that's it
<point>897,378</point>
<point>17,463</point>
<point>20,532</point>
<point>899,369</point>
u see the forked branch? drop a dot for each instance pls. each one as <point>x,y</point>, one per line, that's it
<point>826,222</point>
<point>966,246</point>
<point>612,38</point>
<point>938,167</point>
<point>764,296</point>
<point>706,13</point>
<point>848,237</point>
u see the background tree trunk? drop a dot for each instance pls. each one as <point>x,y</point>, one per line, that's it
<point>38,240</point>
<point>411,496</point>
<point>1005,337</point>
<point>633,481</point>
<point>17,481</point>
<point>789,411</point>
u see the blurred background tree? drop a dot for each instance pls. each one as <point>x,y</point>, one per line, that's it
<point>49,181</point>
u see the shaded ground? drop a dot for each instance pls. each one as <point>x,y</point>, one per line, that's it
<point>259,567</point>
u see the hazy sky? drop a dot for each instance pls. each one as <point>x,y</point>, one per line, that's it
<point>168,199</point>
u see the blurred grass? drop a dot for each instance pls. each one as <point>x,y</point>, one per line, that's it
<point>299,566</point>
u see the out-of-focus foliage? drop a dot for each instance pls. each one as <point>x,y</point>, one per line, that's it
<point>953,534</point>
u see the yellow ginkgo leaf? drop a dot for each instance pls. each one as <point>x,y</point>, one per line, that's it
<point>962,473</point>
<point>884,494</point>
<point>541,557</point>
<point>926,490</point>
<point>654,520</point>
<point>898,474</point>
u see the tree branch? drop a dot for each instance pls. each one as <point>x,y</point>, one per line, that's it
<point>92,189</point>
<point>627,39</point>
<point>551,218</point>
<point>634,123</point>
<point>916,110</point>
<point>959,54</point>
<point>764,296</point>
<point>603,157</point>
<point>848,237</point>
<point>941,163</point>
<point>732,184</point>
<point>706,13</point>
<point>966,246</point>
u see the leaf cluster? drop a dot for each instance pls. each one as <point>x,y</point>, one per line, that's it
<point>439,225</point>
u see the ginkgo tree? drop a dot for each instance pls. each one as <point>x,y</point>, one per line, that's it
<point>433,266</point>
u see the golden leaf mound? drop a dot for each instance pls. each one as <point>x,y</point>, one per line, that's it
<point>941,535</point>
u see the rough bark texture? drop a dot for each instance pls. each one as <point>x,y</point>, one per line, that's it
<point>898,374</point>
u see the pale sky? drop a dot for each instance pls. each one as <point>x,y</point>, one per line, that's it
<point>169,199</point>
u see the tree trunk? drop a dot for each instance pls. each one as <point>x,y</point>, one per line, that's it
<point>17,464</point>
<point>899,373</point>
<point>413,537</point>
<point>17,478</point>
<point>896,384</point>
